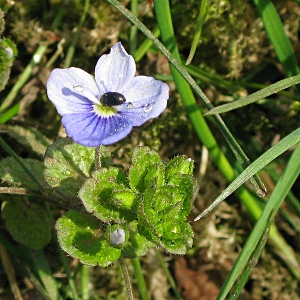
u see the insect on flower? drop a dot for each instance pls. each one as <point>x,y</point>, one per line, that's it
<point>112,98</point>
<point>102,110</point>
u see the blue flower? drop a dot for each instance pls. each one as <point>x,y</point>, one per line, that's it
<point>102,110</point>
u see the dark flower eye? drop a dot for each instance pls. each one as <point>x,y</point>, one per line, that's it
<point>112,99</point>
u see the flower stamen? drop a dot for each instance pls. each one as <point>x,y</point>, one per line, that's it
<point>104,111</point>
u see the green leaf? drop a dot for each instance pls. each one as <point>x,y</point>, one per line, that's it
<point>80,236</point>
<point>106,195</point>
<point>186,186</point>
<point>162,217</point>
<point>147,170</point>
<point>179,164</point>
<point>28,223</point>
<point>170,201</point>
<point>174,236</point>
<point>13,173</point>
<point>68,165</point>
<point>8,51</point>
<point>177,237</point>
<point>124,198</point>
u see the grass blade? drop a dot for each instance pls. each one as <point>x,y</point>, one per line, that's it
<point>278,37</point>
<point>272,89</point>
<point>200,22</point>
<point>283,186</point>
<point>257,165</point>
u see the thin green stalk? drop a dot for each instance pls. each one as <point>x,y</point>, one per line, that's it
<point>85,281</point>
<point>9,114</point>
<point>126,278</point>
<point>72,47</point>
<point>140,278</point>
<point>277,35</point>
<point>36,58</point>
<point>252,262</point>
<point>263,93</point>
<point>133,29</point>
<point>144,47</point>
<point>200,22</point>
<point>43,270</point>
<point>69,276</point>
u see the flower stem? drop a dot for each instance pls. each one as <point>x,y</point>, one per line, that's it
<point>126,278</point>
<point>85,280</point>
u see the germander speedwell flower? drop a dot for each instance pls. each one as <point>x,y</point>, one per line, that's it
<point>102,110</point>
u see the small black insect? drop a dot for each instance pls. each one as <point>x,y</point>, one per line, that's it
<point>112,99</point>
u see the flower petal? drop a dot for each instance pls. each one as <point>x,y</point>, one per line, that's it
<point>114,71</point>
<point>67,89</point>
<point>146,98</point>
<point>89,129</point>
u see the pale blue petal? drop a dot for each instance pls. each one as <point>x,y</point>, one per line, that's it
<point>146,98</point>
<point>88,129</point>
<point>61,89</point>
<point>115,71</point>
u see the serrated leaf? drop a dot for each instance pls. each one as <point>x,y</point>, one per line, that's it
<point>179,165</point>
<point>123,199</point>
<point>174,236</point>
<point>14,174</point>
<point>67,166</point>
<point>162,216</point>
<point>27,222</point>
<point>169,201</point>
<point>97,195</point>
<point>147,170</point>
<point>177,237</point>
<point>80,236</point>
<point>186,186</point>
